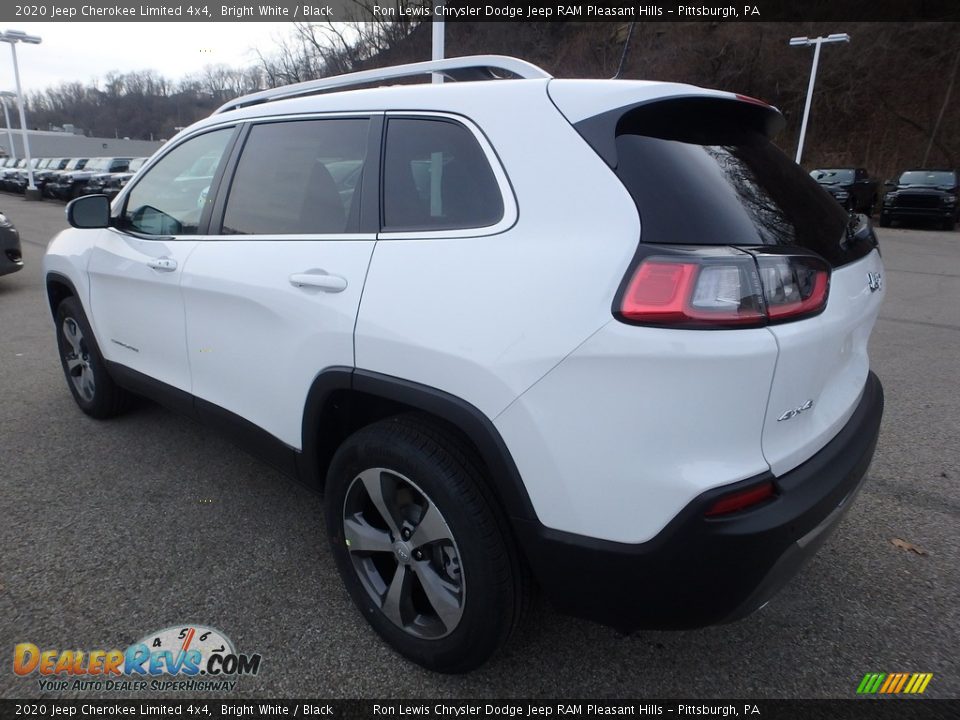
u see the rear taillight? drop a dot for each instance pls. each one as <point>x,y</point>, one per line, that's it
<point>793,287</point>
<point>718,291</point>
<point>742,500</point>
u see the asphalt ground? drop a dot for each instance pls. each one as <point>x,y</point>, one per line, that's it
<point>111,530</point>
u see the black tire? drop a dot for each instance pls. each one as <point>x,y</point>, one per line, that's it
<point>487,584</point>
<point>950,224</point>
<point>884,220</point>
<point>83,366</point>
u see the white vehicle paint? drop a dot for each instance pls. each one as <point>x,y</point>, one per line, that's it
<point>650,330</point>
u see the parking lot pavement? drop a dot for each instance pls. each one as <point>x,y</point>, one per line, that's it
<point>110,530</point>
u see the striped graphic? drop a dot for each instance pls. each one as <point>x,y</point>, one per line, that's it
<point>894,683</point>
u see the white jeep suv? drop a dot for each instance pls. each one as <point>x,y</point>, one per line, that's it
<point>599,337</point>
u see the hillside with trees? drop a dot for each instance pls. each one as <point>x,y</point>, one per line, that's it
<point>885,101</point>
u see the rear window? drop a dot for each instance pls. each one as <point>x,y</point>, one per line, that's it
<point>707,174</point>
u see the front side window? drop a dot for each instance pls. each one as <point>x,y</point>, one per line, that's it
<point>171,197</point>
<point>298,177</point>
<point>436,177</point>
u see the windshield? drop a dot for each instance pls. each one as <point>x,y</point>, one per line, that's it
<point>827,177</point>
<point>928,178</point>
<point>136,164</point>
<point>99,163</point>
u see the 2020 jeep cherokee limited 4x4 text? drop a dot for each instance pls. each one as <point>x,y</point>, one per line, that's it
<point>600,337</point>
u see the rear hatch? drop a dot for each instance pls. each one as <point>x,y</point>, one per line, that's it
<point>703,172</point>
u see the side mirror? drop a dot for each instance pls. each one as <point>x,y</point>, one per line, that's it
<point>89,211</point>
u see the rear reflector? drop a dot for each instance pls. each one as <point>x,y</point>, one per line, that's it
<point>712,291</point>
<point>743,499</point>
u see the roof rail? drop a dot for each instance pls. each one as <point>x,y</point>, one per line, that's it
<point>472,67</point>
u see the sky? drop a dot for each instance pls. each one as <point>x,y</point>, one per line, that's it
<point>82,51</point>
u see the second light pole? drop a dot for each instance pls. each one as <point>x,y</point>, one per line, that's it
<point>4,96</point>
<point>816,42</point>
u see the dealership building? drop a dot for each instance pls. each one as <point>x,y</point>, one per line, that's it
<point>45,143</point>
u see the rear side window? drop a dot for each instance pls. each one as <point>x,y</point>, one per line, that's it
<point>712,177</point>
<point>300,177</point>
<point>436,177</point>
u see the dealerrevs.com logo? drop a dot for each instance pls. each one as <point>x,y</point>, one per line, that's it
<point>180,658</point>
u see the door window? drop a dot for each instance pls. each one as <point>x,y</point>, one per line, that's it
<point>298,177</point>
<point>171,197</point>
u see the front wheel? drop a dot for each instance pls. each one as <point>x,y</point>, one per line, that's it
<point>423,550</point>
<point>83,365</point>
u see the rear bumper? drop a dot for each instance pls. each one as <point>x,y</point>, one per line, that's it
<point>700,571</point>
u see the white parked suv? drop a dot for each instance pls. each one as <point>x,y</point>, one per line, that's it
<point>599,337</point>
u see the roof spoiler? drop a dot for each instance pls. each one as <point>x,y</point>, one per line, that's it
<point>689,118</point>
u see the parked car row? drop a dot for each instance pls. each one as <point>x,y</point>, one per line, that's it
<point>68,178</point>
<point>923,194</point>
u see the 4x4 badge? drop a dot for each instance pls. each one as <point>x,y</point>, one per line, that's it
<point>875,281</point>
<point>796,411</point>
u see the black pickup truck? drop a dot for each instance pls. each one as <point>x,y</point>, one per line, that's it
<point>923,194</point>
<point>851,187</point>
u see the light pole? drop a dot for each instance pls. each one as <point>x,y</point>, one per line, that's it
<point>816,42</point>
<point>13,37</point>
<point>437,32</point>
<point>4,96</point>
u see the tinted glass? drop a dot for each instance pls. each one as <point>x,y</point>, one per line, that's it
<point>171,197</point>
<point>298,177</point>
<point>744,191</point>
<point>929,178</point>
<point>436,177</point>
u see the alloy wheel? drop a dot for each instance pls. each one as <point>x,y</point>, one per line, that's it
<point>76,356</point>
<point>404,553</point>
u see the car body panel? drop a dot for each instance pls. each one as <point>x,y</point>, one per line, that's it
<point>638,421</point>
<point>452,313</point>
<point>248,326</point>
<point>822,360</point>
<point>138,308</point>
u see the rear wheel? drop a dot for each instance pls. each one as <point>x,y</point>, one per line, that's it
<point>83,365</point>
<point>423,551</point>
<point>884,220</point>
<point>950,224</point>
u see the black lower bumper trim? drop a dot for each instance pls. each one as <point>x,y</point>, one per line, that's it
<point>700,571</point>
